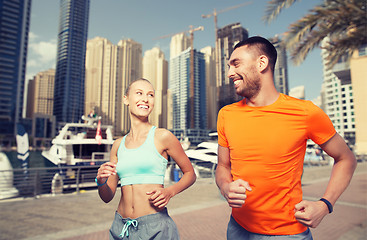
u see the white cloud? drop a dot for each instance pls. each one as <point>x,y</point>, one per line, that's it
<point>32,36</point>
<point>45,52</point>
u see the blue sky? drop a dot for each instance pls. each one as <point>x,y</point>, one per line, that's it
<point>146,20</point>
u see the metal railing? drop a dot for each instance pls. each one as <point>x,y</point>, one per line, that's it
<point>33,182</point>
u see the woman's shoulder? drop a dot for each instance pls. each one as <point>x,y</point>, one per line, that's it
<point>163,134</point>
<point>117,142</point>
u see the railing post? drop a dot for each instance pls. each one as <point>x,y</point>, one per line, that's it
<point>77,180</point>
<point>35,183</point>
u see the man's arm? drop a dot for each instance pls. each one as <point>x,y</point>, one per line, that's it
<point>311,213</point>
<point>234,192</point>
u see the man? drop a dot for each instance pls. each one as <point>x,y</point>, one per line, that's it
<point>262,143</point>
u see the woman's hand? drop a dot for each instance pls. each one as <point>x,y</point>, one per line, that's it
<point>105,171</point>
<point>160,197</point>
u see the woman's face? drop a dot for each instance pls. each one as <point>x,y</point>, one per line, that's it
<point>140,98</point>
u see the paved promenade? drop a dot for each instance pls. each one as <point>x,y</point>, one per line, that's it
<point>199,212</point>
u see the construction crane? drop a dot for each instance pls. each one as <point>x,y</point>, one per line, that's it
<point>214,15</point>
<point>191,96</point>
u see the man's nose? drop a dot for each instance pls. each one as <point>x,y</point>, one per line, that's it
<point>230,73</point>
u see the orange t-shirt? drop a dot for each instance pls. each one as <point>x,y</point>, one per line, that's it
<point>267,147</point>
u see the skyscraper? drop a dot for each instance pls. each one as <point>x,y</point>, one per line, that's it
<point>40,97</point>
<point>14,27</point>
<point>179,43</point>
<point>358,73</point>
<point>281,66</point>
<point>70,65</point>
<point>179,84</point>
<point>228,37</point>
<point>210,87</point>
<point>155,69</point>
<point>100,79</point>
<point>129,68</point>
<point>338,98</point>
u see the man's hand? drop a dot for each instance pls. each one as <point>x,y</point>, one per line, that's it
<point>235,193</point>
<point>310,213</point>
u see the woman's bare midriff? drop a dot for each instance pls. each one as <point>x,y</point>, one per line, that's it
<point>135,202</point>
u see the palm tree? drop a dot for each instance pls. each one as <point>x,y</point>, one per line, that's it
<point>344,22</point>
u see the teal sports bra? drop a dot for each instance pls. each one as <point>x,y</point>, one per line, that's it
<point>142,165</point>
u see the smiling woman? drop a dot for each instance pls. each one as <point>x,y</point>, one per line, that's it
<point>138,161</point>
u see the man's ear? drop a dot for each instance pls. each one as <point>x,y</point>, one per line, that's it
<point>126,102</point>
<point>263,63</point>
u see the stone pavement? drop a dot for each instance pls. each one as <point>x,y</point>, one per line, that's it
<point>199,212</point>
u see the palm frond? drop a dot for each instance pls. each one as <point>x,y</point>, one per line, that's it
<point>274,8</point>
<point>344,22</point>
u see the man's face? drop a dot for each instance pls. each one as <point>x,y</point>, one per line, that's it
<point>244,73</point>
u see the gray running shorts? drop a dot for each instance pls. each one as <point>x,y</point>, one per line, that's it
<point>153,226</point>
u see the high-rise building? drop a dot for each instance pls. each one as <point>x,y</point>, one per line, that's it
<point>281,67</point>
<point>155,69</point>
<point>129,68</point>
<point>70,65</point>
<point>298,92</point>
<point>210,87</point>
<point>179,84</point>
<point>100,79</point>
<point>338,98</point>
<point>40,96</point>
<point>358,65</point>
<point>14,28</point>
<point>179,43</point>
<point>228,37</point>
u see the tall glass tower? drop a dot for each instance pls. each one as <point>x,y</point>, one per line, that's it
<point>179,84</point>
<point>70,65</point>
<point>14,28</point>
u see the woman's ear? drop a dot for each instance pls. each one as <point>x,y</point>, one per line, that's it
<point>263,63</point>
<point>125,100</point>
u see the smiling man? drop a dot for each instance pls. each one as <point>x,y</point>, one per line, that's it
<point>262,143</point>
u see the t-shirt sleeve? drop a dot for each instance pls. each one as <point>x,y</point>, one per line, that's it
<point>319,126</point>
<point>222,140</point>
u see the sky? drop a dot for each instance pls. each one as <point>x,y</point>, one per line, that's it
<point>145,21</point>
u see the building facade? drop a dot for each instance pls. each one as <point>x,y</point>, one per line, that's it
<point>40,96</point>
<point>14,28</point>
<point>228,37</point>
<point>155,69</point>
<point>70,63</point>
<point>179,43</point>
<point>128,68</point>
<point>211,87</point>
<point>100,79</point>
<point>281,66</point>
<point>179,84</point>
<point>338,100</point>
<point>298,92</point>
<point>358,65</point>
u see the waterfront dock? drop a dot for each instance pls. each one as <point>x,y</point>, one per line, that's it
<point>200,212</point>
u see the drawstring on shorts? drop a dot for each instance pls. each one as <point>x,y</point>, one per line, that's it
<point>125,229</point>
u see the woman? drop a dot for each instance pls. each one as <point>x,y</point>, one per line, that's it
<point>139,161</point>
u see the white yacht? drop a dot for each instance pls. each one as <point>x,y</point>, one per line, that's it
<point>204,156</point>
<point>7,190</point>
<point>86,143</point>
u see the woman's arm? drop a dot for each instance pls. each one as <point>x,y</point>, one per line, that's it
<point>107,174</point>
<point>168,142</point>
